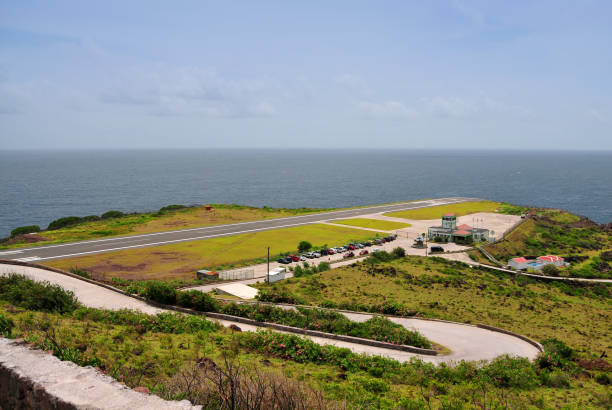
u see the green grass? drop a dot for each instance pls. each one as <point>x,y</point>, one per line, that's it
<point>160,351</point>
<point>372,224</point>
<point>139,223</point>
<point>579,315</point>
<point>436,212</point>
<point>182,260</point>
<point>556,232</point>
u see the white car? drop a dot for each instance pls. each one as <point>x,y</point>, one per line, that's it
<point>316,255</point>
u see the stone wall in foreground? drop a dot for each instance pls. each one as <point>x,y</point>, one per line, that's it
<point>33,379</point>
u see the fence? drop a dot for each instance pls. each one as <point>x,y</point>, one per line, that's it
<point>237,274</point>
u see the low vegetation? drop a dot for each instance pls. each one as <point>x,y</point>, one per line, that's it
<point>460,209</point>
<point>581,242</point>
<point>182,260</point>
<point>372,223</point>
<point>179,356</point>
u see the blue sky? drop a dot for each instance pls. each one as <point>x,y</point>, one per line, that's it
<point>319,74</point>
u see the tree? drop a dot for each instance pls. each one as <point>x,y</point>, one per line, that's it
<point>550,270</point>
<point>304,246</point>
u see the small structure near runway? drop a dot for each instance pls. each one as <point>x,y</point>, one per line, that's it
<point>239,290</point>
<point>234,274</point>
<point>276,274</point>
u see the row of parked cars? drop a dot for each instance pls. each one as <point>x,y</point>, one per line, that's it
<point>332,251</point>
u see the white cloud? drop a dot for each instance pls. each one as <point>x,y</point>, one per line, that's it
<point>386,109</point>
<point>191,92</point>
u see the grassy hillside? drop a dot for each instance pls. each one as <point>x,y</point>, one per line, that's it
<point>178,356</point>
<point>580,241</point>
<point>579,315</point>
<point>182,260</point>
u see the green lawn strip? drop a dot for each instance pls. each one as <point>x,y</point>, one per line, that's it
<point>158,351</point>
<point>436,212</point>
<point>182,260</point>
<point>372,223</point>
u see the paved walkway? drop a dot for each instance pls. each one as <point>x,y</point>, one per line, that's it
<point>466,342</point>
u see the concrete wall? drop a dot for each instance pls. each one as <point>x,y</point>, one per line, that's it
<point>33,379</point>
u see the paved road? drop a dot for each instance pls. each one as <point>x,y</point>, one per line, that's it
<point>466,342</point>
<point>183,235</point>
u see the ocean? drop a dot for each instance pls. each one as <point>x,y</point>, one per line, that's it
<point>40,186</point>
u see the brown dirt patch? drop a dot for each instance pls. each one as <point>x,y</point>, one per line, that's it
<point>595,364</point>
<point>26,238</point>
<point>112,267</point>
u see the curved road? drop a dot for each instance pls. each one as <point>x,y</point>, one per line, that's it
<point>465,342</point>
<point>39,253</point>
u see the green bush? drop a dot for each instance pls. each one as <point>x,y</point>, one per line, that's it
<point>25,229</point>
<point>304,246</point>
<point>161,323</point>
<point>160,292</point>
<point>550,270</point>
<point>506,371</point>
<point>172,208</point>
<point>43,296</point>
<point>80,272</point>
<point>64,222</point>
<point>6,325</point>
<point>112,214</point>
<point>194,299</point>
<point>278,297</point>
<point>603,379</point>
<point>398,252</point>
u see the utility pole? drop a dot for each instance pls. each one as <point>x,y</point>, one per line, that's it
<point>268,271</point>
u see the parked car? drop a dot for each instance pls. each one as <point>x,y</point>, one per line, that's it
<point>284,260</point>
<point>316,255</point>
<point>323,251</point>
<point>364,252</point>
<point>434,249</point>
<point>368,243</point>
<point>302,258</point>
<point>377,250</point>
<point>383,240</point>
<point>331,251</point>
<point>294,258</point>
<point>348,255</point>
<point>377,242</point>
<point>360,245</point>
<point>352,247</point>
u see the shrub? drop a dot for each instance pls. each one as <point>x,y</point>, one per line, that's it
<point>606,256</point>
<point>22,230</point>
<point>278,297</point>
<point>603,379</point>
<point>194,299</point>
<point>64,222</point>
<point>323,266</point>
<point>550,270</point>
<point>112,214</point>
<point>506,371</point>
<point>171,208</point>
<point>80,272</point>
<point>43,296</point>
<point>6,325</point>
<point>304,246</point>
<point>398,252</point>
<point>160,292</point>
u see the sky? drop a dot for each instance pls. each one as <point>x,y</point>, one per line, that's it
<point>454,74</point>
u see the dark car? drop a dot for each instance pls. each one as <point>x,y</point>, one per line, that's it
<point>368,243</point>
<point>348,255</point>
<point>324,252</point>
<point>364,252</point>
<point>434,249</point>
<point>383,240</point>
<point>284,260</point>
<point>377,242</point>
<point>389,238</point>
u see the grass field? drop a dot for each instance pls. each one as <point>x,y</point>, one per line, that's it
<point>437,288</point>
<point>372,223</point>
<point>436,212</point>
<point>133,224</point>
<point>182,260</point>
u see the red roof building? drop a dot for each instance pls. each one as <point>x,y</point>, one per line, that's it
<point>550,258</point>
<point>462,233</point>
<point>520,260</point>
<point>464,227</point>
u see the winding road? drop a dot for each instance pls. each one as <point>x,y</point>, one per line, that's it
<point>466,342</point>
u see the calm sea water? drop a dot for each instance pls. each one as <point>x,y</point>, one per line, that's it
<point>37,187</point>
